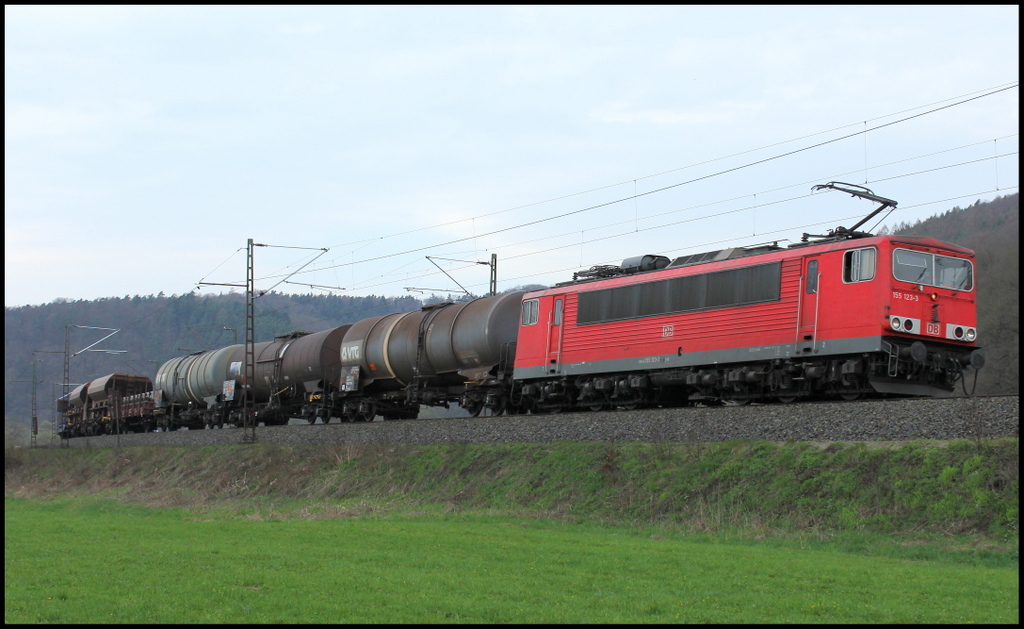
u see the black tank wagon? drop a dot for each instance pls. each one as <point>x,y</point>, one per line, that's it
<point>295,375</point>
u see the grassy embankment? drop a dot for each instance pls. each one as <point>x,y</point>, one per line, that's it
<point>743,531</point>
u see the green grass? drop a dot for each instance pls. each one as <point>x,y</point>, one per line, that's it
<point>100,560</point>
<point>741,531</point>
<point>948,489</point>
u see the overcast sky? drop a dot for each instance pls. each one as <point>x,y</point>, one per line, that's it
<point>143,146</point>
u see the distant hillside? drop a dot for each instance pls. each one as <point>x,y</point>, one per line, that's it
<point>976,226</point>
<point>992,230</point>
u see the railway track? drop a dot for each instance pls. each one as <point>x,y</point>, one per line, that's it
<point>862,420</point>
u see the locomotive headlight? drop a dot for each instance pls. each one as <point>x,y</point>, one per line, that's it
<point>962,333</point>
<point>908,325</point>
<point>895,323</point>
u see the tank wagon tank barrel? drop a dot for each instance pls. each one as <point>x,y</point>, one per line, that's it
<point>431,356</point>
<point>313,360</point>
<point>446,343</point>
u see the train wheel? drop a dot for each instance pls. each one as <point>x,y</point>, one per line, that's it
<point>367,415</point>
<point>787,399</point>
<point>498,409</point>
<point>849,397</point>
<point>595,405</point>
<point>633,404</point>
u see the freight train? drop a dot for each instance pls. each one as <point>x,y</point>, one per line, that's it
<point>842,315</point>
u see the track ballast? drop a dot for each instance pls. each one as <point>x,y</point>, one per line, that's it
<point>866,420</point>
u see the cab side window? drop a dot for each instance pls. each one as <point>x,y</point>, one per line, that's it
<point>859,265</point>
<point>530,310</point>
<point>812,277</point>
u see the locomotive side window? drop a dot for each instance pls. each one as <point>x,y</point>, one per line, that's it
<point>812,277</point>
<point>558,312</point>
<point>530,309</point>
<point>859,265</point>
<point>929,269</point>
<point>721,289</point>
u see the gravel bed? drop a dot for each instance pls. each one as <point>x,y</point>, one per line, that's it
<point>874,420</point>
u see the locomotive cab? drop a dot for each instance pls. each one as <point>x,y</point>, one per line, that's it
<point>929,320</point>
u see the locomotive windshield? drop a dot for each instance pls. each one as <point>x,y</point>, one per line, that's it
<point>930,269</point>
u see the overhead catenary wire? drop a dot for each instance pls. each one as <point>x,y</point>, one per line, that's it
<point>689,247</point>
<point>356,285</point>
<point>702,245</point>
<point>634,222</point>
<point>767,191</point>
<point>219,265</point>
<point>664,188</point>
<point>694,165</point>
<point>753,206</point>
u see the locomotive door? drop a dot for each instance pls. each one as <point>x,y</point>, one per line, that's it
<point>810,294</point>
<point>554,344</point>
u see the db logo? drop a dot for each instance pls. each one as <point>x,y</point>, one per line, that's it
<point>668,330</point>
<point>933,329</point>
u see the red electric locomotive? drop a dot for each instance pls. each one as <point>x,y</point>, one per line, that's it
<point>846,314</point>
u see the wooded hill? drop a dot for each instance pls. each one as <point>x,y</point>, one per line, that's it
<point>155,329</point>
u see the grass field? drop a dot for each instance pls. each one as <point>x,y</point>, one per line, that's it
<point>100,560</point>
